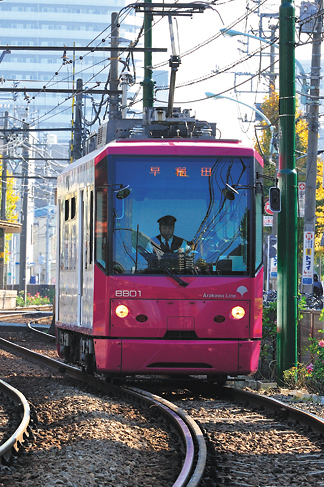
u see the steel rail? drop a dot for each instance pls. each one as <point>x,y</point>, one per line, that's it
<point>27,309</point>
<point>191,475</point>
<point>303,417</point>
<point>23,434</point>
<point>191,435</point>
<point>40,332</point>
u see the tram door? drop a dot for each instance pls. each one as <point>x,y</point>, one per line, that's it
<point>58,257</point>
<point>81,256</point>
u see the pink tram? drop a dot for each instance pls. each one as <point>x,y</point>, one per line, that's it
<point>160,258</point>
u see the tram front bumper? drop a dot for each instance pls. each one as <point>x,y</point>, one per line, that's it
<point>127,356</point>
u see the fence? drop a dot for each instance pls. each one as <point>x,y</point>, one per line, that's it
<point>308,327</point>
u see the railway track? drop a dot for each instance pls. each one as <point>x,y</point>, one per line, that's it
<point>214,464</point>
<point>25,311</point>
<point>193,464</point>
<point>257,441</point>
<point>15,444</point>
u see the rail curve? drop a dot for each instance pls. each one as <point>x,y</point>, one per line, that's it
<point>14,446</point>
<point>191,436</point>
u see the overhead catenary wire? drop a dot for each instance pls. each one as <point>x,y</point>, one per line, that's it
<point>55,111</point>
<point>90,51</point>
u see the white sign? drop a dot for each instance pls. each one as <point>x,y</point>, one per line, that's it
<point>301,199</point>
<point>273,267</point>
<point>267,221</point>
<point>308,258</point>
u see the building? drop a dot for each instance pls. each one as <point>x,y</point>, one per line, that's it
<point>72,23</point>
<point>46,147</point>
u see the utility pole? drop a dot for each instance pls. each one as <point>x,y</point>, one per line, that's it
<point>272,83</point>
<point>148,83</point>
<point>287,218</point>
<point>77,124</point>
<point>272,88</point>
<point>3,204</point>
<point>24,214</point>
<point>114,77</point>
<point>311,164</point>
<point>47,259</point>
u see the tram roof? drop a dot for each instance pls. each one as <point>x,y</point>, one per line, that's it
<point>189,147</point>
<point>232,147</point>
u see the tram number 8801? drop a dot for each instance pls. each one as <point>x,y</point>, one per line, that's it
<point>126,293</point>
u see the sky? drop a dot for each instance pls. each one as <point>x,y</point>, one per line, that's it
<point>219,53</point>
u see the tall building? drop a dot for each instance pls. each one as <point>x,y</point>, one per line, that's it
<point>41,24</point>
<point>44,24</point>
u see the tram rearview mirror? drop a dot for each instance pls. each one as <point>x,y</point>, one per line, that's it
<point>229,192</point>
<point>123,193</point>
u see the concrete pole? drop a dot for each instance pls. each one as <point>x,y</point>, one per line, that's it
<point>287,218</point>
<point>24,214</point>
<point>3,205</point>
<point>311,164</point>
<point>148,84</point>
<point>114,77</point>
<point>77,138</point>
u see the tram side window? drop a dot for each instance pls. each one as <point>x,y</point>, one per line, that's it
<point>91,228</point>
<point>66,209</point>
<point>73,206</point>
<point>101,227</point>
<point>258,230</point>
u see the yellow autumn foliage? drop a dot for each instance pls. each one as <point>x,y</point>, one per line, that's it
<point>319,226</point>
<point>270,108</point>
<point>12,197</point>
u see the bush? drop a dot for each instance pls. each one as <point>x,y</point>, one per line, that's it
<point>267,361</point>
<point>316,349</point>
<point>309,376</point>
<point>297,377</point>
<point>36,300</point>
<point>268,353</point>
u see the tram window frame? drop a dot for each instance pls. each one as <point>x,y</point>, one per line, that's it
<point>258,226</point>
<point>91,228</point>
<point>101,237</point>
<point>258,216</point>
<point>101,215</point>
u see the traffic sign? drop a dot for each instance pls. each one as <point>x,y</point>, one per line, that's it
<point>267,208</point>
<point>302,186</point>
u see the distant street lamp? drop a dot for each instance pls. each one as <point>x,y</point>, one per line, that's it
<point>262,115</point>
<point>233,33</point>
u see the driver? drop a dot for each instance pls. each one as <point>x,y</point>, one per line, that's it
<point>168,242</point>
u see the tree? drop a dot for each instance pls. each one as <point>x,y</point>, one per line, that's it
<point>270,108</point>
<point>12,197</point>
<point>319,225</point>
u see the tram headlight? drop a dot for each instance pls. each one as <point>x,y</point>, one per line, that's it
<point>122,311</point>
<point>237,313</point>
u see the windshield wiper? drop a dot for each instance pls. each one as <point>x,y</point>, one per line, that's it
<point>152,258</point>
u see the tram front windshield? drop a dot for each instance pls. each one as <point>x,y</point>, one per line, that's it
<point>180,215</point>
